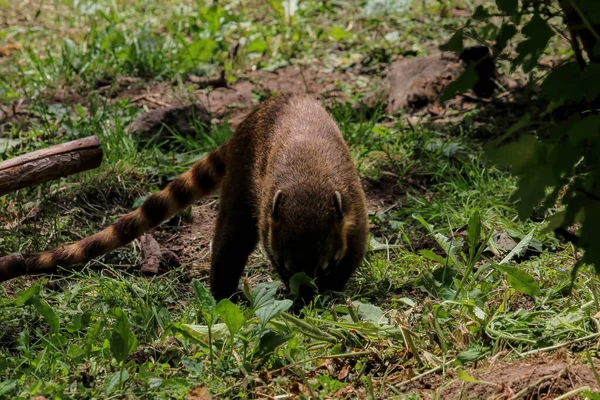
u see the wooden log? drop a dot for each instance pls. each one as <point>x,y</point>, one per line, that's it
<point>50,163</point>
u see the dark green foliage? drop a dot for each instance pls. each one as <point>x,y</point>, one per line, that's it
<point>555,154</point>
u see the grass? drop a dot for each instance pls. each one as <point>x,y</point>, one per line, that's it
<point>436,290</point>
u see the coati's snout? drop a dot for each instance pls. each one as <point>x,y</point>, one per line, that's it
<point>306,234</point>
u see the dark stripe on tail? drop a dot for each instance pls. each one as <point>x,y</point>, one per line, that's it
<point>203,177</point>
<point>92,247</point>
<point>180,192</point>
<point>155,209</point>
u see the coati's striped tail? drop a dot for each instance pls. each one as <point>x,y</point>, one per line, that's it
<point>199,181</point>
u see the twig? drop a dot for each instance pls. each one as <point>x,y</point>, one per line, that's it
<point>573,392</point>
<point>157,102</point>
<point>594,370</point>
<point>523,392</point>
<point>558,346</point>
<point>205,81</point>
<point>585,21</point>
<point>577,49</point>
<point>332,357</point>
<point>138,98</point>
<point>426,373</point>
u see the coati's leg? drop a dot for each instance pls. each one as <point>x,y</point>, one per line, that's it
<point>235,238</point>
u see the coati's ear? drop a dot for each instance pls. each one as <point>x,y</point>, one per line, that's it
<point>276,202</point>
<point>338,205</point>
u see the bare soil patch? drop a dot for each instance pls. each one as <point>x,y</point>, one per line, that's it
<point>542,377</point>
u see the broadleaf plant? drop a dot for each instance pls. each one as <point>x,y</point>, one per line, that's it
<point>554,153</point>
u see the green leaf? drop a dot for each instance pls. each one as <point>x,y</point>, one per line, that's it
<point>520,280</point>
<point>481,13</point>
<point>264,293</point>
<point>472,354</point>
<point>520,248</point>
<point>194,366</point>
<point>432,256</point>
<point>163,317</point>
<point>231,315</point>
<point>75,352</point>
<point>270,311</point>
<point>584,129</point>
<point>7,144</point>
<point>199,333</point>
<point>466,81</point>
<point>24,296</point>
<point>337,33</point>
<point>507,32</point>
<point>206,300</point>
<point>74,324</point>
<point>370,312</point>
<point>78,322</point>
<point>116,380</point>
<point>455,43</point>
<point>463,376</point>
<point>507,6</point>
<point>257,45</point>
<point>270,341</point>
<point>7,386</point>
<point>563,83</point>
<point>300,279</point>
<point>474,234</point>
<point>46,312</point>
<point>122,342</point>
<point>530,50</point>
<point>200,50</point>
<point>554,221</point>
<point>516,154</point>
<point>91,335</point>
<point>531,189</point>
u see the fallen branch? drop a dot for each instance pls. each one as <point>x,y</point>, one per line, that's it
<point>206,81</point>
<point>53,162</point>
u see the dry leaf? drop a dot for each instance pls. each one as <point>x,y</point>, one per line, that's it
<point>199,393</point>
<point>343,372</point>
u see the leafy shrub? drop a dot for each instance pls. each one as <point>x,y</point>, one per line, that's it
<point>554,154</point>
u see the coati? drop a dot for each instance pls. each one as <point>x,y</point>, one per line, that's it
<point>286,177</point>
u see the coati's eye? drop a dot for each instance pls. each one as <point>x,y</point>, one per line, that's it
<point>338,256</point>
<point>282,264</point>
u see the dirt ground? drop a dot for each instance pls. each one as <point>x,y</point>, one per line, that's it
<point>541,377</point>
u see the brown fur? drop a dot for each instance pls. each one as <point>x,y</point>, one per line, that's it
<point>286,178</point>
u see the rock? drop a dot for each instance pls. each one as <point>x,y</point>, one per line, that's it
<point>502,242</point>
<point>150,255</point>
<point>415,83</point>
<point>412,84</point>
<point>154,258</point>
<point>180,119</point>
